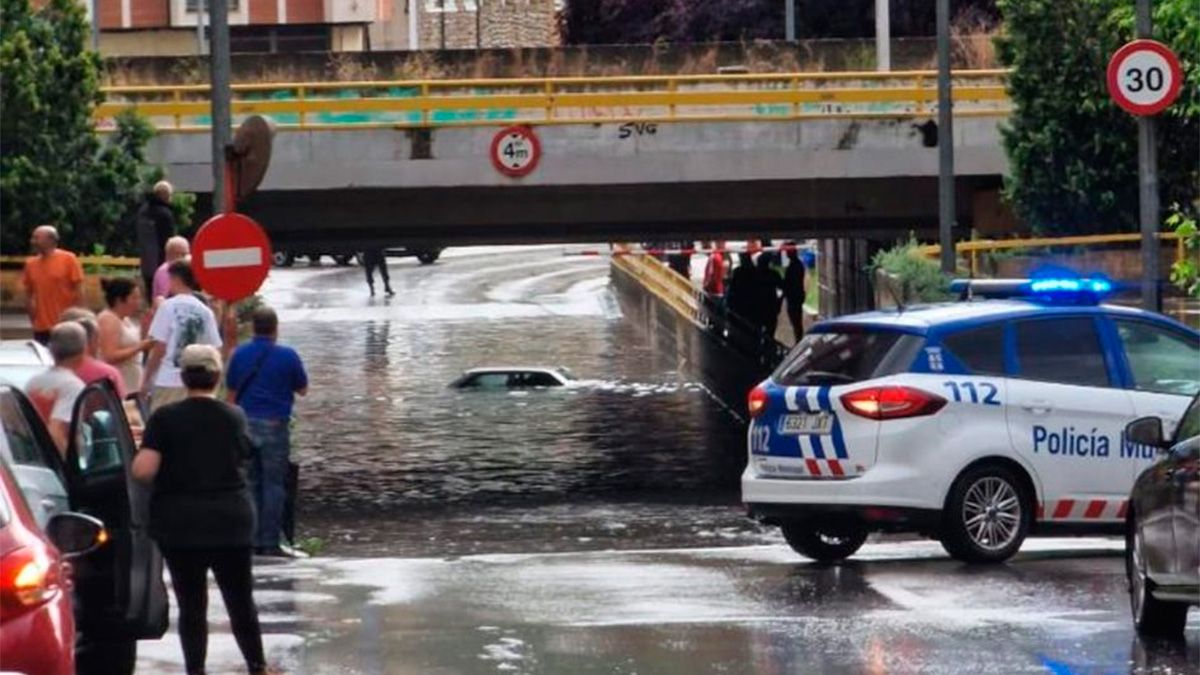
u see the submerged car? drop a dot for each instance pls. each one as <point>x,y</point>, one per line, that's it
<point>513,378</point>
<point>1162,543</point>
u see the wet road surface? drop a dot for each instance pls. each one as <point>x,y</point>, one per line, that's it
<point>597,529</point>
<point>395,463</point>
<point>1058,607</point>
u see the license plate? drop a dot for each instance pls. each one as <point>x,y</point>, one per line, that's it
<point>807,423</point>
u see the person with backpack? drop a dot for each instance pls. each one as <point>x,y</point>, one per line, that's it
<point>264,379</point>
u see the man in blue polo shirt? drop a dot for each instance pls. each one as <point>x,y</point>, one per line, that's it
<point>264,378</point>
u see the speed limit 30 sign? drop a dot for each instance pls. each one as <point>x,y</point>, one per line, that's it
<point>1144,77</point>
<point>515,151</point>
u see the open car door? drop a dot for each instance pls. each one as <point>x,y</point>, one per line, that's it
<point>120,585</point>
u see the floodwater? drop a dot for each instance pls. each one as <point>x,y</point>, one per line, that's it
<point>392,460</point>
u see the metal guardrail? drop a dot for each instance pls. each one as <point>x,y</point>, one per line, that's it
<point>85,260</point>
<point>973,248</point>
<point>568,100</point>
<point>705,313</point>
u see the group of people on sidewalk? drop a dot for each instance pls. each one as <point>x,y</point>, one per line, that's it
<point>218,467</point>
<point>759,286</point>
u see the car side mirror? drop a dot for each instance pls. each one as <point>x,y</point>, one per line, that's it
<point>1146,431</point>
<point>76,534</point>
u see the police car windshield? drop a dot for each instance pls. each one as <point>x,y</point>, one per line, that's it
<point>843,357</point>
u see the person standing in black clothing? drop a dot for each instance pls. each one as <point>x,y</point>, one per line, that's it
<point>793,291</point>
<point>372,259</point>
<point>155,223</point>
<point>768,298</point>
<point>195,453</point>
<point>739,297</point>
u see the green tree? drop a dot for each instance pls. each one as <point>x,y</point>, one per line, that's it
<point>1072,152</point>
<point>54,168</point>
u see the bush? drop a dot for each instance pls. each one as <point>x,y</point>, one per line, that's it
<point>909,276</point>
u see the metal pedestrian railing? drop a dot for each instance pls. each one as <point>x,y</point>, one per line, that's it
<point>707,313</point>
<point>636,100</point>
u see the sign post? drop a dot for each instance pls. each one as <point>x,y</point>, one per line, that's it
<point>1144,78</point>
<point>231,256</point>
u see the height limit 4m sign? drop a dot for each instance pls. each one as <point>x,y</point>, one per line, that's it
<point>515,151</point>
<point>1144,77</point>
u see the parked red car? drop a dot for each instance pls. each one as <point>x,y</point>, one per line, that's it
<point>37,623</point>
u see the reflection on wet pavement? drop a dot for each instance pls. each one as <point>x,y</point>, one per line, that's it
<point>381,434</point>
<point>1058,607</point>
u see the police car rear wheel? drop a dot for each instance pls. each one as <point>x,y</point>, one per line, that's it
<point>1151,616</point>
<point>986,517</point>
<point>825,543</point>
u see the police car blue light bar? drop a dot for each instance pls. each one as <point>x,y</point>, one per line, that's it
<point>1064,289</point>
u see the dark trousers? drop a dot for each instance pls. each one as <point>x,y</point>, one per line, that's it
<point>189,577</point>
<point>796,318</point>
<point>370,262</point>
<point>42,337</point>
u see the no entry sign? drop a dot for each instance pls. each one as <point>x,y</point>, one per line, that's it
<point>1144,77</point>
<point>231,256</point>
<point>516,151</point>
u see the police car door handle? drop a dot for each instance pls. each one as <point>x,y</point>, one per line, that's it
<point>1037,407</point>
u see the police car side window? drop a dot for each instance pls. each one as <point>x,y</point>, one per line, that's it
<point>1063,350</point>
<point>1160,360</point>
<point>981,349</point>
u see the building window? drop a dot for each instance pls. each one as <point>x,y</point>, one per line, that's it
<point>193,4</point>
<point>280,39</point>
<point>450,6</point>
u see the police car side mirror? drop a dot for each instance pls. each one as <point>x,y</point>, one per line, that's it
<point>1146,431</point>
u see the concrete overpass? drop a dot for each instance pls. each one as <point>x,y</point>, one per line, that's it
<point>642,158</point>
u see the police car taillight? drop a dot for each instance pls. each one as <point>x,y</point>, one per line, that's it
<point>889,403</point>
<point>757,401</point>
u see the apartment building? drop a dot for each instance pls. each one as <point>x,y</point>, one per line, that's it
<point>169,27</point>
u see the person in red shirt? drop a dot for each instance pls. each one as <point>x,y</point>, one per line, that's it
<point>91,369</point>
<point>52,280</point>
<point>714,271</point>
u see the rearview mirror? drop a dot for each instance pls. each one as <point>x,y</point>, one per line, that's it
<point>1145,431</point>
<point>76,534</point>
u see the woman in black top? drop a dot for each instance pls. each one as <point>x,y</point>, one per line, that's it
<point>201,514</point>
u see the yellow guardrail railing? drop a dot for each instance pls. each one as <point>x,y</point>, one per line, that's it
<point>568,100</point>
<point>85,260</point>
<point>659,279</point>
<point>972,249</point>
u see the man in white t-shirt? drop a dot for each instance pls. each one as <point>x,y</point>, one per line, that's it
<point>182,320</point>
<point>53,392</point>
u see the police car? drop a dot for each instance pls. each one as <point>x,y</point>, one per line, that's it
<point>973,422</point>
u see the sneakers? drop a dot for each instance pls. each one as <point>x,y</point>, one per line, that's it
<point>279,551</point>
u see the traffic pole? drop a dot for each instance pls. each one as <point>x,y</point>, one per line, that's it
<point>945,141</point>
<point>789,20</point>
<point>221,118</point>
<point>883,36</point>
<point>1148,206</point>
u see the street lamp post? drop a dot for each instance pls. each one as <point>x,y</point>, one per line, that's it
<point>945,141</point>
<point>1148,205</point>
<point>883,36</point>
<point>221,119</point>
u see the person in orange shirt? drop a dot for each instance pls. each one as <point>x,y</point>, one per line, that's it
<point>52,281</point>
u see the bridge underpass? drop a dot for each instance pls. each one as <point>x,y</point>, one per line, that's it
<point>830,155</point>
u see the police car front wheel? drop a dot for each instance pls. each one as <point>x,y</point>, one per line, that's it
<point>987,515</point>
<point>826,543</point>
